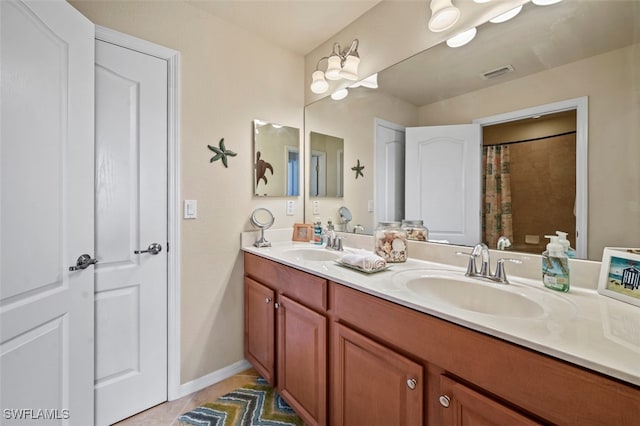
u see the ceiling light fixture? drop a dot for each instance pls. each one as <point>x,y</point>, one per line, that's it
<point>462,38</point>
<point>504,17</point>
<point>340,64</point>
<point>444,15</point>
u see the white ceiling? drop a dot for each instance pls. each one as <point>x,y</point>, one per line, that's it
<point>296,25</point>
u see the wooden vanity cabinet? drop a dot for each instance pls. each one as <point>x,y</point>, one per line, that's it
<point>372,384</point>
<point>286,333</point>
<point>485,379</point>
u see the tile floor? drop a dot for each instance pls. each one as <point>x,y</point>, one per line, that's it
<point>167,413</point>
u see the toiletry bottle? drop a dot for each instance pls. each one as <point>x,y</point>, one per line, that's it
<point>330,231</point>
<point>555,266</point>
<point>562,239</point>
<point>317,233</point>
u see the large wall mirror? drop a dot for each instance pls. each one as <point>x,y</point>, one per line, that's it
<point>563,54</point>
<point>277,159</point>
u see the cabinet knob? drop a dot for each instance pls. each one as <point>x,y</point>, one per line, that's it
<point>276,305</point>
<point>444,401</point>
<point>411,384</point>
<point>267,300</point>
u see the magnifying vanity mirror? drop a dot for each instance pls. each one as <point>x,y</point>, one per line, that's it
<point>262,219</point>
<point>277,160</point>
<point>555,55</point>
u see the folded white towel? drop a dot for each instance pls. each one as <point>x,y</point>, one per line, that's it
<point>364,260</point>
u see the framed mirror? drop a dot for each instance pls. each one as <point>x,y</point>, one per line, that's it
<point>570,50</point>
<point>276,160</point>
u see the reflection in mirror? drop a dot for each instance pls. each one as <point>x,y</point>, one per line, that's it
<point>277,159</point>
<point>345,217</point>
<point>326,165</point>
<point>569,50</point>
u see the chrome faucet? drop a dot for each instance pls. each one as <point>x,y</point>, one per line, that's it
<point>334,243</point>
<point>503,243</point>
<point>357,228</point>
<point>481,250</point>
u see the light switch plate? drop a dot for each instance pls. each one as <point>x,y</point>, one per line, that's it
<point>190,209</point>
<point>291,207</point>
<point>370,206</point>
<point>316,207</point>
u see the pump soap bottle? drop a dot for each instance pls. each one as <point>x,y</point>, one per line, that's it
<point>555,266</point>
<point>562,239</point>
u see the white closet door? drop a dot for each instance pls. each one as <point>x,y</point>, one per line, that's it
<point>443,181</point>
<point>131,214</point>
<point>46,213</point>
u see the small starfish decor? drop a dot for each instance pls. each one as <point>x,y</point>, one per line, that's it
<point>221,153</point>
<point>358,169</point>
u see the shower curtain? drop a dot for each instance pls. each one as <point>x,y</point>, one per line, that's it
<point>496,191</point>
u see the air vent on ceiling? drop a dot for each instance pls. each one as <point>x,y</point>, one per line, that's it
<point>497,72</point>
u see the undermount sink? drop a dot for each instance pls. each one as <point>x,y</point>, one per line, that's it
<point>312,254</point>
<point>471,294</point>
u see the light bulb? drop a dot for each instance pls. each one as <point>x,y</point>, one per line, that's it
<point>443,15</point>
<point>462,38</point>
<point>504,17</point>
<point>319,85</point>
<point>339,94</point>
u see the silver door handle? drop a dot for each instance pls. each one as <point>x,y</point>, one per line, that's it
<point>83,262</point>
<point>153,248</point>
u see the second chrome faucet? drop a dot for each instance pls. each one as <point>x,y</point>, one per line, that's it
<point>481,250</point>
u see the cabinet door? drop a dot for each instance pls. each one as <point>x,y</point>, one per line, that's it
<point>259,328</point>
<point>302,360</point>
<point>463,406</point>
<point>373,385</point>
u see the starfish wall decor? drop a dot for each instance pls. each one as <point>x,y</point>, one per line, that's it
<point>358,169</point>
<point>221,153</point>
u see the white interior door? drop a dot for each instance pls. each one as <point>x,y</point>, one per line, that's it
<point>443,181</point>
<point>46,214</point>
<point>131,214</point>
<point>389,177</point>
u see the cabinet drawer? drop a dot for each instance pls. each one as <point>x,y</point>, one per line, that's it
<point>297,285</point>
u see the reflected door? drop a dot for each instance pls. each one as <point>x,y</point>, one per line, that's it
<point>442,182</point>
<point>131,214</point>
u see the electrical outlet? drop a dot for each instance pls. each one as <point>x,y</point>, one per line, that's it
<point>316,207</point>
<point>370,206</point>
<point>291,207</point>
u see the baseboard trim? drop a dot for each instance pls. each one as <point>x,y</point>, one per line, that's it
<point>211,378</point>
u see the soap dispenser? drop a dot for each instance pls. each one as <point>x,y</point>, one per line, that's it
<point>555,266</point>
<point>562,239</point>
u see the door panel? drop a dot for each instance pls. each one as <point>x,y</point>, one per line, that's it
<point>131,213</point>
<point>443,185</point>
<point>389,180</point>
<point>46,210</point>
<point>259,328</point>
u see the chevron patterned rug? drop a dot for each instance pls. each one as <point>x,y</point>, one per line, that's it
<point>256,404</point>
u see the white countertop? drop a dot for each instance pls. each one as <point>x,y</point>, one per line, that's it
<point>593,331</point>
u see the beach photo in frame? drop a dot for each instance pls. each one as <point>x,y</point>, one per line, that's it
<point>302,232</point>
<point>620,274</point>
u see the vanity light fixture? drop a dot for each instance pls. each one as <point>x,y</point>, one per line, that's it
<point>504,17</point>
<point>545,2</point>
<point>340,94</point>
<point>340,64</point>
<point>462,38</point>
<point>370,82</point>
<point>444,15</point>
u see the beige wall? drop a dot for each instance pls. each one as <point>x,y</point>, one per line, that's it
<point>611,81</point>
<point>353,120</point>
<point>222,75</point>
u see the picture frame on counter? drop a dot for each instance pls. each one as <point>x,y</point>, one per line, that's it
<point>302,232</point>
<point>620,274</point>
